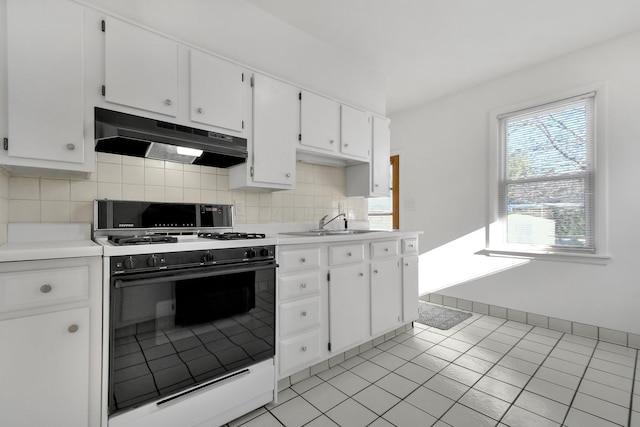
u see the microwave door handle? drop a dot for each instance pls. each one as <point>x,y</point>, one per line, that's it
<point>123,283</point>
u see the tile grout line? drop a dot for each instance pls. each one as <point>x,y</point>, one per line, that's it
<point>633,387</point>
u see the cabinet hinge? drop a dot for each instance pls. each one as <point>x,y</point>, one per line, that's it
<point>299,137</point>
<point>252,81</point>
<point>300,96</point>
<point>329,346</point>
<point>6,144</point>
<point>328,277</point>
<point>104,90</point>
<point>251,171</point>
<point>103,26</point>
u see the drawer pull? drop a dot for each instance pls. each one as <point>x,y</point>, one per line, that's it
<point>303,285</point>
<point>412,245</point>
<point>375,271</point>
<point>386,249</point>
<point>349,253</point>
<point>303,260</point>
<point>168,101</point>
<point>200,110</point>
<point>303,348</point>
<point>45,289</point>
<point>303,314</point>
<point>406,264</point>
<point>361,274</point>
<point>73,329</point>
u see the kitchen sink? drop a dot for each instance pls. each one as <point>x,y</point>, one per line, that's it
<point>328,232</point>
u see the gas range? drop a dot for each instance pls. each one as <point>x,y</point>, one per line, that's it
<point>134,227</point>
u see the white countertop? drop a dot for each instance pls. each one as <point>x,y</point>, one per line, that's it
<point>287,239</point>
<point>29,242</point>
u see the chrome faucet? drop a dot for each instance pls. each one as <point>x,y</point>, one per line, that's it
<point>322,222</point>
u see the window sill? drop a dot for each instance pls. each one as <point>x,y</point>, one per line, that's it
<point>548,256</point>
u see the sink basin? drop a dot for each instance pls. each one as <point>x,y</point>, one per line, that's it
<point>328,232</point>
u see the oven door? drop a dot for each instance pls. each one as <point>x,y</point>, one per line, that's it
<point>175,331</point>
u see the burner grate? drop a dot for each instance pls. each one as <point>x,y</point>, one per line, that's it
<point>142,240</point>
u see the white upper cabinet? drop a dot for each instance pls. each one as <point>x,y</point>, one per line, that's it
<point>141,68</point>
<point>380,169</point>
<point>355,132</point>
<point>272,152</point>
<point>45,85</point>
<point>217,90</point>
<point>319,122</point>
<point>275,130</point>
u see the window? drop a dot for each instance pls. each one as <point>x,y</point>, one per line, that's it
<point>546,178</point>
<point>384,211</point>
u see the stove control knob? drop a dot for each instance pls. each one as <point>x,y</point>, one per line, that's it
<point>153,261</point>
<point>208,257</point>
<point>264,252</point>
<point>130,263</point>
<point>251,253</point>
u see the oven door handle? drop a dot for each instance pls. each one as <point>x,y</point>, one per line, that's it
<point>124,283</point>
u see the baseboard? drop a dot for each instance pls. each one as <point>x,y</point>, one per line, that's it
<point>590,331</point>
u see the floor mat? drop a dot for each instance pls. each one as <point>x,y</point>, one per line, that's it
<point>439,316</point>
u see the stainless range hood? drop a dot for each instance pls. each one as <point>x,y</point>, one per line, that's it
<point>129,135</point>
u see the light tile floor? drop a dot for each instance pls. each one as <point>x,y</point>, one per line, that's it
<point>485,371</point>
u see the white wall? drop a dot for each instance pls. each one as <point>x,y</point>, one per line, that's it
<point>242,32</point>
<point>445,145</point>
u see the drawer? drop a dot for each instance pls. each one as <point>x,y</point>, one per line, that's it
<point>300,351</point>
<point>384,249</point>
<point>36,288</point>
<point>410,246</point>
<point>299,315</point>
<point>299,285</point>
<point>346,254</point>
<point>299,259</point>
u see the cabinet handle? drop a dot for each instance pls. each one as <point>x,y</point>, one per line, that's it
<point>45,289</point>
<point>331,141</point>
<point>411,245</point>
<point>303,314</point>
<point>168,101</point>
<point>375,271</point>
<point>361,274</point>
<point>386,249</point>
<point>376,185</point>
<point>406,264</point>
<point>73,329</point>
<point>303,348</point>
<point>349,253</point>
<point>346,144</point>
<point>303,260</point>
<point>303,285</point>
<point>288,175</point>
<point>71,147</point>
<point>200,110</point>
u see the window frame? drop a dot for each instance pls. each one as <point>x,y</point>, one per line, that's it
<point>495,230</point>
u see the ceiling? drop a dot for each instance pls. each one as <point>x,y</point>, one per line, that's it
<point>426,49</point>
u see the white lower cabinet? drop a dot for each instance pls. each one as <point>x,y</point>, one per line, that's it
<point>338,295</point>
<point>44,369</point>
<point>386,295</point>
<point>348,306</point>
<point>50,334</point>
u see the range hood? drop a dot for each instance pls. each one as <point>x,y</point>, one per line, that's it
<point>129,135</point>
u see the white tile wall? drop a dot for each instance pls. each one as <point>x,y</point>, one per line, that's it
<point>319,190</point>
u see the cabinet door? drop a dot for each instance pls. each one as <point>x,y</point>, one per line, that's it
<point>349,308</point>
<point>380,168</point>
<point>44,370</point>
<point>355,132</point>
<point>141,68</point>
<point>216,91</point>
<point>410,288</point>
<point>319,122</point>
<point>45,75</point>
<point>386,295</point>
<point>275,131</point>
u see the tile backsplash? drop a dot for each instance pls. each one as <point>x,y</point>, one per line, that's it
<point>320,190</point>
